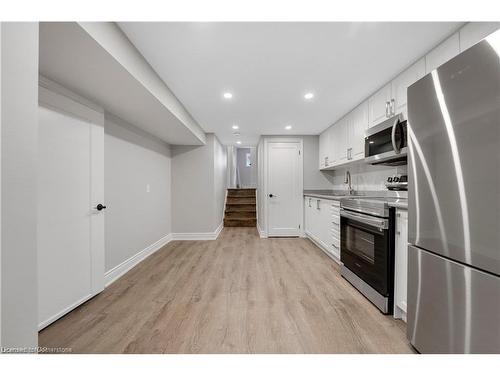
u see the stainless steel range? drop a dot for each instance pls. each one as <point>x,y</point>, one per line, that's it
<point>367,247</point>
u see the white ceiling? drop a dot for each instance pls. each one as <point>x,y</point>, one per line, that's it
<point>270,66</point>
<point>71,57</point>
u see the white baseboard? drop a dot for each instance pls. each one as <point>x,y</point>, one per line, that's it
<point>207,236</point>
<point>116,272</point>
<point>262,233</point>
<point>53,318</point>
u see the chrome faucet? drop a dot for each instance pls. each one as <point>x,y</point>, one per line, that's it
<point>347,180</point>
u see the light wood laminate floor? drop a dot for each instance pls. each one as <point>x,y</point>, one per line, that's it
<point>237,294</point>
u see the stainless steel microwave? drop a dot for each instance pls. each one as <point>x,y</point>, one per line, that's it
<point>387,143</point>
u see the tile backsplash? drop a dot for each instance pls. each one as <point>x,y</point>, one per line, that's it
<point>363,176</point>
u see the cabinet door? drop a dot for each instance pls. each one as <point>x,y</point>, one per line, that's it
<point>341,136</point>
<point>377,105</point>
<point>400,85</point>
<point>357,128</point>
<point>330,146</point>
<point>324,218</point>
<point>307,215</point>
<point>401,263</point>
<point>335,229</point>
<point>473,32</point>
<point>333,142</point>
<point>442,53</point>
<point>323,148</point>
<point>315,219</point>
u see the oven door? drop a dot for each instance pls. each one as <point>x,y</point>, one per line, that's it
<point>365,249</point>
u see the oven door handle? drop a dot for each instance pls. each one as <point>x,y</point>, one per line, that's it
<point>376,222</point>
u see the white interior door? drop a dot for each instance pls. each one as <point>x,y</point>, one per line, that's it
<point>70,229</point>
<point>284,188</point>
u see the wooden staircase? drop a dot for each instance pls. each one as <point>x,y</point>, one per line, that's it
<point>240,208</point>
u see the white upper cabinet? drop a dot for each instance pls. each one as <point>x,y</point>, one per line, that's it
<point>340,139</point>
<point>344,141</point>
<point>442,53</point>
<point>473,32</point>
<point>331,146</point>
<point>401,83</point>
<point>357,127</point>
<point>323,149</point>
<point>378,105</point>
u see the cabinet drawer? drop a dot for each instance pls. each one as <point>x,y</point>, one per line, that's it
<point>335,237</point>
<point>335,249</point>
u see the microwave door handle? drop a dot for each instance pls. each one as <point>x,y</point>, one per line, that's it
<point>395,146</point>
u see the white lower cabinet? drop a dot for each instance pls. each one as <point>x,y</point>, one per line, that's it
<point>401,264</point>
<point>322,224</point>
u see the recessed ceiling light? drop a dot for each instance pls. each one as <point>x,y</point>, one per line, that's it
<point>288,127</point>
<point>235,127</point>
<point>238,142</point>
<point>309,96</point>
<point>236,134</point>
<point>227,95</point>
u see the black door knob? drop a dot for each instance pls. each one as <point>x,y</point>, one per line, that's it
<point>270,195</point>
<point>100,207</point>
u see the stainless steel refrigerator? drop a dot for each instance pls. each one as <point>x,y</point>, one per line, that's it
<point>454,204</point>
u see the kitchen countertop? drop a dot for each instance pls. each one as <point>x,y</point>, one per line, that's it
<point>337,195</point>
<point>401,203</point>
<point>327,194</point>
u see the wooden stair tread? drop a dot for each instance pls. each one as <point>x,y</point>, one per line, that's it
<point>241,208</point>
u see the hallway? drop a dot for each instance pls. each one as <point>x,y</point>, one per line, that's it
<point>237,294</point>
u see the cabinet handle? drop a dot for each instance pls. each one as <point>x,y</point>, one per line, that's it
<point>393,107</point>
<point>398,233</point>
<point>317,204</point>
<point>309,202</point>
<point>387,109</point>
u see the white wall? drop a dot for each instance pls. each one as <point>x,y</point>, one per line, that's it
<point>196,185</point>
<point>135,217</point>
<point>261,220</point>
<point>18,126</point>
<point>220,181</point>
<point>313,177</point>
<point>248,175</point>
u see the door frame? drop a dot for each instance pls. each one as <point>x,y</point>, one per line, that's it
<point>267,142</point>
<point>57,98</point>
